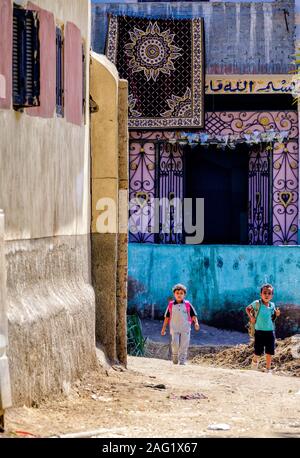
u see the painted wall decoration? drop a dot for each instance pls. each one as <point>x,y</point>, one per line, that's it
<point>249,84</point>
<point>162,59</point>
<point>283,172</point>
<point>285,193</point>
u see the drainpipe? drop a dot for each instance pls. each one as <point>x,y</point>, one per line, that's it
<point>5,389</point>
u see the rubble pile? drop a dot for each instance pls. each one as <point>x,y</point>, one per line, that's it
<point>286,360</point>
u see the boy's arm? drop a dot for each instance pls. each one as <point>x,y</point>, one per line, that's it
<point>249,311</point>
<point>164,327</point>
<point>276,313</point>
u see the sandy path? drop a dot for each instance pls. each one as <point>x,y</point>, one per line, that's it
<point>125,404</point>
<point>252,403</point>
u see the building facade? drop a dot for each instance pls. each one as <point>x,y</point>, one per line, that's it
<point>64,147</point>
<point>45,194</point>
<point>242,160</point>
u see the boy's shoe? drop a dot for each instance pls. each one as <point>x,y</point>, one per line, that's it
<point>182,363</point>
<point>175,359</point>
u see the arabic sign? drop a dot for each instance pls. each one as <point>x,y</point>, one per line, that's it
<point>250,84</point>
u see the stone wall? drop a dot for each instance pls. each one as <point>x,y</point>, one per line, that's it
<point>5,385</point>
<point>109,143</point>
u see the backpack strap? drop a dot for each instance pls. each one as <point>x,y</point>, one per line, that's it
<point>170,307</point>
<point>257,308</point>
<point>188,310</point>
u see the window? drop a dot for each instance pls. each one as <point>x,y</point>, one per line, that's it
<point>59,72</point>
<point>26,58</point>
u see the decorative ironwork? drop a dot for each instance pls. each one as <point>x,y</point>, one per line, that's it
<point>142,189</point>
<point>170,187</point>
<point>260,165</point>
<point>283,222</point>
<point>285,162</point>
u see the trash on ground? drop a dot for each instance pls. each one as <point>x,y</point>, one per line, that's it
<point>219,427</point>
<point>159,386</point>
<point>191,396</point>
<point>95,397</point>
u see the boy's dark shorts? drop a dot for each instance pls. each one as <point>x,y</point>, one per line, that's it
<point>264,340</point>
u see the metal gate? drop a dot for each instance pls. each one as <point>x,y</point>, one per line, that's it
<point>260,196</point>
<point>170,191</point>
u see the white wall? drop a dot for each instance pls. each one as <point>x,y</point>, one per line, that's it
<point>44,163</point>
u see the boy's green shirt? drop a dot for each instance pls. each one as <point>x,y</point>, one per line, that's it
<point>264,320</point>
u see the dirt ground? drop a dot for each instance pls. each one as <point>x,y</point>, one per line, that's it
<point>113,403</point>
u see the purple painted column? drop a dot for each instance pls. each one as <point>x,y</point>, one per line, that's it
<point>5,53</point>
<point>73,75</point>
<point>47,37</point>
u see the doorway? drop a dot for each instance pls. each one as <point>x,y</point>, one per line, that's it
<point>220,176</point>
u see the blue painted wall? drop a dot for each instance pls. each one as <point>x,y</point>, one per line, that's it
<point>218,277</point>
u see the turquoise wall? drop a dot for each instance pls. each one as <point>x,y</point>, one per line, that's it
<point>218,277</point>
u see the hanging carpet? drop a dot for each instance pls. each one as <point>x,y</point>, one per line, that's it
<point>162,59</point>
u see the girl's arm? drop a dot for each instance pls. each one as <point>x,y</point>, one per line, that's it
<point>165,324</point>
<point>196,323</point>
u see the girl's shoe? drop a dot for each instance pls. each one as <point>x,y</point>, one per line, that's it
<point>254,365</point>
<point>175,359</point>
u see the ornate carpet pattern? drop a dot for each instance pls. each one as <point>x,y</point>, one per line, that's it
<point>162,59</point>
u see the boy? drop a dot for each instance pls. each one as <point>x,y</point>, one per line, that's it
<point>263,314</point>
<point>180,314</point>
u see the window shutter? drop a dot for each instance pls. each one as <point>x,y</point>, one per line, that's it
<point>83,82</point>
<point>59,73</point>
<point>26,87</point>
<point>73,74</point>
